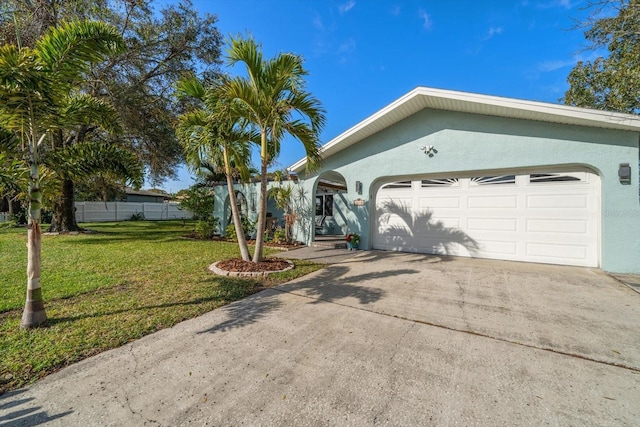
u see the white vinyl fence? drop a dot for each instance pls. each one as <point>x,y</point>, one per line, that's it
<point>123,211</point>
<point>4,216</point>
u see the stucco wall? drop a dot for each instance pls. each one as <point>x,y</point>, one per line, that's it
<point>252,193</point>
<point>467,143</point>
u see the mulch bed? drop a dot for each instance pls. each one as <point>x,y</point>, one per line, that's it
<point>267,264</point>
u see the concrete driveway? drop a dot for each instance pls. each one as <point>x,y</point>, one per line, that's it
<point>381,338</point>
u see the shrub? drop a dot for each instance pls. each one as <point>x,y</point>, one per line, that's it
<point>138,216</point>
<point>205,229</point>
<point>230,232</point>
<point>248,227</point>
<point>199,201</point>
<point>280,235</point>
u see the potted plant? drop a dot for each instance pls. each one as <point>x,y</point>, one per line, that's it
<point>353,241</point>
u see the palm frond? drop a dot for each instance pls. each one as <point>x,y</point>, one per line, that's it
<point>84,109</point>
<point>86,159</point>
<point>67,50</point>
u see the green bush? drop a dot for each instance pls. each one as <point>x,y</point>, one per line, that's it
<point>205,229</point>
<point>138,216</point>
<point>199,201</point>
<point>230,232</point>
<point>280,235</point>
<point>248,227</point>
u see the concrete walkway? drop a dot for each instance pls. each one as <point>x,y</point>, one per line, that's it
<point>378,339</point>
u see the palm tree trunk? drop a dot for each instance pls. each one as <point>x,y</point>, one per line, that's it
<point>235,213</point>
<point>34,314</point>
<point>262,212</point>
<point>64,215</point>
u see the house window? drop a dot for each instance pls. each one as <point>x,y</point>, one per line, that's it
<point>492,180</point>
<point>553,177</point>
<point>443,182</point>
<point>324,205</point>
<point>399,184</point>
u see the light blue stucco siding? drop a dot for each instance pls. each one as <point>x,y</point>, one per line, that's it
<point>467,143</point>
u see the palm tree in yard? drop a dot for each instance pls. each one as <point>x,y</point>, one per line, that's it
<point>211,133</point>
<point>273,98</point>
<point>35,84</point>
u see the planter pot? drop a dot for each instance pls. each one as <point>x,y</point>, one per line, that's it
<point>352,247</point>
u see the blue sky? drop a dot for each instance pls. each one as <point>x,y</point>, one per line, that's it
<point>362,55</point>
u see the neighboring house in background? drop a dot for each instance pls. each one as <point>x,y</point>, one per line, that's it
<point>456,173</point>
<point>145,196</point>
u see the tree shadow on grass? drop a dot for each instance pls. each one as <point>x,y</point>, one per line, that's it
<point>227,291</point>
<point>118,237</point>
<point>21,412</point>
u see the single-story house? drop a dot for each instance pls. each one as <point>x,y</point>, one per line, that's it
<point>145,196</point>
<point>454,173</point>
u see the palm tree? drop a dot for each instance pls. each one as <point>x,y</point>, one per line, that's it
<point>34,85</point>
<point>273,98</point>
<point>211,133</point>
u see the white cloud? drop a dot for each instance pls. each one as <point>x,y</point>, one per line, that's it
<point>492,32</point>
<point>556,64</point>
<point>548,66</point>
<point>426,19</point>
<point>317,22</point>
<point>565,4</point>
<point>347,47</point>
<point>346,7</point>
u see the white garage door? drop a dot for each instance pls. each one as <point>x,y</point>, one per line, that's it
<point>537,217</point>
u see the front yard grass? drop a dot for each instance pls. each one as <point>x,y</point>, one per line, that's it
<point>102,290</point>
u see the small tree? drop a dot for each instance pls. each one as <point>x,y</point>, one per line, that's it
<point>199,201</point>
<point>283,195</point>
<point>34,85</point>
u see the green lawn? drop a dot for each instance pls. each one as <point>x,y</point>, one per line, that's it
<point>103,290</point>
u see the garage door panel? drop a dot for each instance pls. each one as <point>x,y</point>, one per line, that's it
<point>492,201</point>
<point>434,224</point>
<point>559,201</point>
<point>492,224</point>
<point>438,202</point>
<point>542,221</point>
<point>575,252</point>
<point>438,247</point>
<point>555,225</point>
<point>498,249</point>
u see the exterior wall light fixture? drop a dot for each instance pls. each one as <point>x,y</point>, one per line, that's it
<point>624,173</point>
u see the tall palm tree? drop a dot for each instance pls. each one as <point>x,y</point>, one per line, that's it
<point>273,98</point>
<point>34,84</point>
<point>210,133</point>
